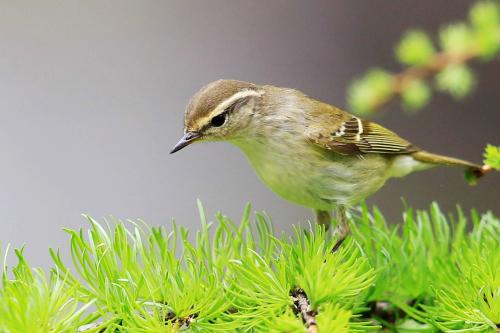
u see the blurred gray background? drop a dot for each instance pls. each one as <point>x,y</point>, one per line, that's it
<point>92,95</point>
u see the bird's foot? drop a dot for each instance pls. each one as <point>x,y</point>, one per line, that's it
<point>341,233</point>
<point>337,245</point>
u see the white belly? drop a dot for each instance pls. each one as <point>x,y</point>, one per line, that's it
<point>313,179</point>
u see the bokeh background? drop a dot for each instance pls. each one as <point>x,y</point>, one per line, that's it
<point>92,95</point>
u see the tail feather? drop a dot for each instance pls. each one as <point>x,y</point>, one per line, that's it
<point>472,171</point>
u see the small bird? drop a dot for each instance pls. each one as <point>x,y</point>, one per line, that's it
<point>308,152</point>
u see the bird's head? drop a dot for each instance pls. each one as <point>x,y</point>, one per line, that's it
<point>222,110</point>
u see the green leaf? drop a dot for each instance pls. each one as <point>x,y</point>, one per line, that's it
<point>367,93</point>
<point>415,48</point>
<point>485,15</point>
<point>485,18</point>
<point>492,156</point>
<point>488,43</point>
<point>456,38</point>
<point>416,95</point>
<point>458,80</point>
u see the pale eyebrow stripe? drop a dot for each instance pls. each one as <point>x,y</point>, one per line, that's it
<point>229,101</point>
<point>239,95</point>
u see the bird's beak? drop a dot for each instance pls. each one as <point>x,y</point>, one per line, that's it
<point>187,139</point>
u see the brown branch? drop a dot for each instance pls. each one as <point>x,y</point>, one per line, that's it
<point>435,65</point>
<point>422,72</point>
<point>186,321</point>
<point>302,306</point>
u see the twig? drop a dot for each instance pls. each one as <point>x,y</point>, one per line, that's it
<point>435,65</point>
<point>302,306</point>
<point>186,321</point>
<point>422,72</point>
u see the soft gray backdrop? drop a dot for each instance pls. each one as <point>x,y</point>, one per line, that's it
<point>92,95</point>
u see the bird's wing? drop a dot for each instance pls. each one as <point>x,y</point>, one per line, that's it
<point>350,135</point>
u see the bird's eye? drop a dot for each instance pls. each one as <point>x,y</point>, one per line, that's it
<point>219,120</point>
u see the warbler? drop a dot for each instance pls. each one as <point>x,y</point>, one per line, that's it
<point>308,152</point>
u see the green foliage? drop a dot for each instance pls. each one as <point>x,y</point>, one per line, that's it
<point>457,80</point>
<point>479,38</point>
<point>416,95</point>
<point>470,294</point>
<point>31,302</point>
<point>456,38</point>
<point>492,156</point>
<point>450,278</point>
<point>485,15</point>
<point>428,274</point>
<point>374,88</point>
<point>415,48</point>
<point>485,19</point>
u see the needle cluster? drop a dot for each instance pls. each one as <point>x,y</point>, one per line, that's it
<point>430,273</point>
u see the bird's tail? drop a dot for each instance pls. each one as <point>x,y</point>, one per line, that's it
<point>472,171</point>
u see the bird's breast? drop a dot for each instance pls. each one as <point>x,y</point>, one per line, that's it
<point>303,175</point>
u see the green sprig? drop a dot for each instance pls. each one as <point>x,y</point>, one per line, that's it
<point>492,156</point>
<point>415,48</point>
<point>459,43</point>
<point>427,275</point>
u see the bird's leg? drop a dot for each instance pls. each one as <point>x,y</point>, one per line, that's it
<point>342,229</point>
<point>324,218</point>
